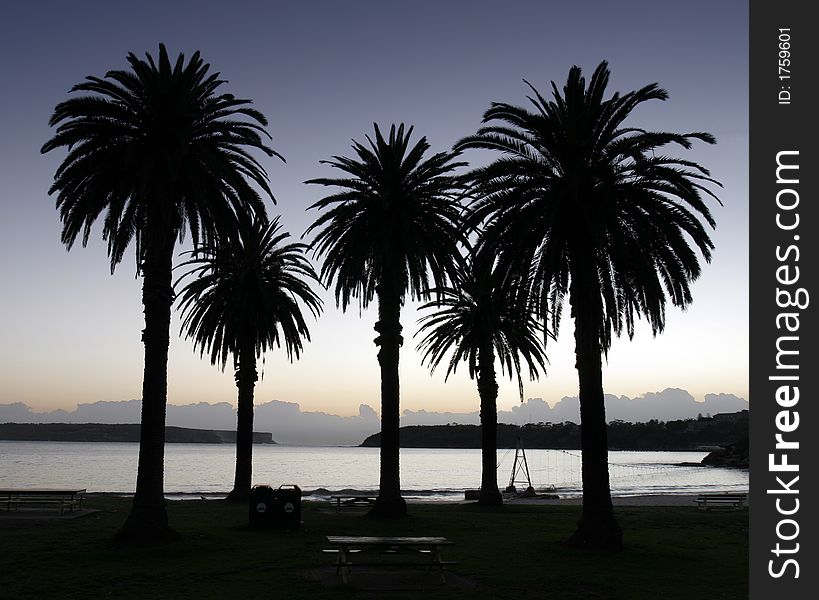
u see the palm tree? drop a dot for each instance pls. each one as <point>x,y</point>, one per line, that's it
<point>595,210</point>
<point>245,298</point>
<point>478,319</point>
<point>395,222</point>
<point>158,151</point>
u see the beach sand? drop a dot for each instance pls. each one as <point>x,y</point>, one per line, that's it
<point>646,500</point>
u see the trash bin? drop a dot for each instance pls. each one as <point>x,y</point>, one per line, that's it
<point>279,508</point>
<point>262,505</point>
<point>288,506</point>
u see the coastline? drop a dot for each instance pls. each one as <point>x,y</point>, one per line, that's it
<point>638,500</point>
<point>655,500</point>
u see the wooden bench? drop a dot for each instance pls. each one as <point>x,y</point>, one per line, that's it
<point>729,501</point>
<point>349,548</point>
<point>61,499</point>
<point>351,500</point>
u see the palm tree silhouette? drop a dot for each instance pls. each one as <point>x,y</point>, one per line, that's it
<point>158,151</point>
<point>595,210</point>
<point>245,297</point>
<point>478,319</point>
<point>396,221</point>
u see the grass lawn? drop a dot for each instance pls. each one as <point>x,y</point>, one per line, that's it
<point>511,552</point>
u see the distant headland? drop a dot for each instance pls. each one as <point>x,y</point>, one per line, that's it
<point>703,433</point>
<point>105,432</point>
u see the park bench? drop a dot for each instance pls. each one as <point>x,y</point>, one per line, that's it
<point>392,552</point>
<point>61,499</point>
<point>729,501</point>
<point>351,500</point>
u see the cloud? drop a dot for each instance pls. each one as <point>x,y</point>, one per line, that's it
<point>290,425</point>
<point>18,412</point>
<point>669,405</point>
<point>127,411</point>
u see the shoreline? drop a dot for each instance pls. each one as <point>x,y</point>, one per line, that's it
<point>637,500</point>
<point>665,499</point>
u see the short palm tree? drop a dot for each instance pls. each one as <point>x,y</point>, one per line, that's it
<point>597,211</point>
<point>245,296</point>
<point>477,320</point>
<point>395,223</point>
<point>155,150</point>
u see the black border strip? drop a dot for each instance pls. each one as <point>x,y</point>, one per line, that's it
<point>784,110</point>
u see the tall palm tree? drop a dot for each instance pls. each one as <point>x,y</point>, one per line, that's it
<point>478,319</point>
<point>158,151</point>
<point>395,222</point>
<point>245,297</point>
<point>597,211</point>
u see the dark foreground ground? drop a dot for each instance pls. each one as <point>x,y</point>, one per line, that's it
<point>671,552</point>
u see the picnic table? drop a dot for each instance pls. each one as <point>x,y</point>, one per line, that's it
<point>61,499</point>
<point>427,548</point>
<point>350,500</point>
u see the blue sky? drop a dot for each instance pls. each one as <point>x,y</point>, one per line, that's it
<point>323,72</point>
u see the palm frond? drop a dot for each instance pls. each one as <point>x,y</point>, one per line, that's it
<point>248,291</point>
<point>483,311</point>
<point>395,212</point>
<point>157,139</point>
<point>572,182</point>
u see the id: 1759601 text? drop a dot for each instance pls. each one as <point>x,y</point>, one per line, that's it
<point>785,65</point>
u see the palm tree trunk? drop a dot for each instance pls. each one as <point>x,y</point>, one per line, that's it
<point>149,519</point>
<point>488,391</point>
<point>597,527</point>
<point>389,502</point>
<point>246,378</point>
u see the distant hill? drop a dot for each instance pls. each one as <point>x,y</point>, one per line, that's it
<point>105,432</point>
<point>733,455</point>
<point>689,434</point>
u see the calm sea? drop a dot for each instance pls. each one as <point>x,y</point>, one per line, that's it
<point>439,474</point>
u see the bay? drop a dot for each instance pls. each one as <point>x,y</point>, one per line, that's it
<point>426,473</point>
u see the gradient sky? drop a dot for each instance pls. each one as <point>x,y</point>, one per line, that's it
<point>323,72</point>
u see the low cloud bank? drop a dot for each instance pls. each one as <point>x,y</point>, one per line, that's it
<point>669,405</point>
<point>290,425</point>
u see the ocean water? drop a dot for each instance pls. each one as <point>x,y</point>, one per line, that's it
<point>426,473</point>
